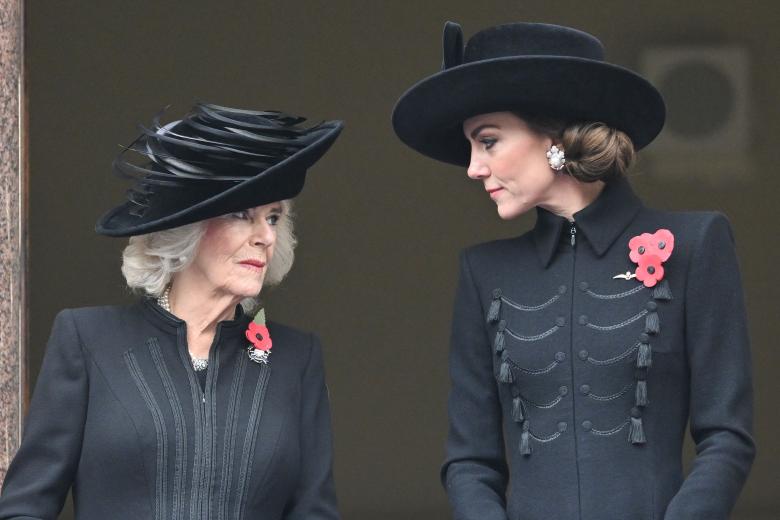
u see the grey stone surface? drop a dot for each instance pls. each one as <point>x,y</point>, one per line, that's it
<point>12,242</point>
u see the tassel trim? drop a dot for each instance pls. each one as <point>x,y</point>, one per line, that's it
<point>505,372</point>
<point>495,307</point>
<point>517,410</point>
<point>636,433</point>
<point>652,323</point>
<point>641,393</point>
<point>498,342</point>
<point>662,291</point>
<point>525,440</point>
<point>644,358</point>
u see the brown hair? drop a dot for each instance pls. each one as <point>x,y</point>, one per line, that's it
<point>594,151</point>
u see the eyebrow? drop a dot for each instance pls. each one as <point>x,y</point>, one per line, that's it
<point>477,130</point>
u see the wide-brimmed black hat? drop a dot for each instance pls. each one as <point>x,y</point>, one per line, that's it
<point>214,161</point>
<point>530,68</point>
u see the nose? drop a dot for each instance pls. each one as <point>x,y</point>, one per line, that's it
<point>264,234</point>
<point>477,169</point>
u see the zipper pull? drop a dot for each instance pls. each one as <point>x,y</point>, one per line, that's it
<point>204,398</point>
<point>573,232</point>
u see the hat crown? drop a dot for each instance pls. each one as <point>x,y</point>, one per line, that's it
<point>532,39</point>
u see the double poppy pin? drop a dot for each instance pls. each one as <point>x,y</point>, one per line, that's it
<point>260,343</point>
<point>649,252</point>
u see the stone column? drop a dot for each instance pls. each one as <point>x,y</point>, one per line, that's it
<point>13,230</point>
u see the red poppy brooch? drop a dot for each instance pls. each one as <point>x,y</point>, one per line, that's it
<point>260,343</point>
<point>649,252</point>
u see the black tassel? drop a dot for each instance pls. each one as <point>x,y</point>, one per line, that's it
<point>644,358</point>
<point>505,374</point>
<point>495,307</point>
<point>662,291</point>
<point>652,324</point>
<point>637,433</point>
<point>498,342</point>
<point>641,393</point>
<point>517,410</point>
<point>525,440</point>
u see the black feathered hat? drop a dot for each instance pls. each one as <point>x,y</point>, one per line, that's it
<point>531,68</point>
<point>214,161</point>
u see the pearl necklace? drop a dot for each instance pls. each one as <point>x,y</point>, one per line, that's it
<point>199,364</point>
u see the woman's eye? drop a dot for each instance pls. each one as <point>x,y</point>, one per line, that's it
<point>488,142</point>
<point>273,219</point>
<point>241,215</point>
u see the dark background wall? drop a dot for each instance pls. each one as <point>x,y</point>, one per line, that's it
<point>379,226</point>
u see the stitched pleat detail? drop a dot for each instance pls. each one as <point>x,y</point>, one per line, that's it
<point>177,512</point>
<point>197,408</point>
<point>161,491</point>
<point>611,397</point>
<point>250,440</point>
<point>613,431</point>
<point>617,296</point>
<point>210,437</point>
<point>620,325</point>
<point>231,431</point>
<point>549,438</point>
<point>531,371</point>
<point>537,337</point>
<point>614,359</point>
<point>543,406</point>
<point>530,308</point>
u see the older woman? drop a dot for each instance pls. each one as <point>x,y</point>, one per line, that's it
<point>187,404</point>
<point>581,349</point>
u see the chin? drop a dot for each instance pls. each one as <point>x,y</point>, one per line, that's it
<point>247,291</point>
<point>506,212</point>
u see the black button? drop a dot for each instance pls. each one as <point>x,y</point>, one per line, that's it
<point>587,425</point>
<point>562,426</point>
<point>583,286</point>
<point>583,320</point>
<point>563,390</point>
<point>560,356</point>
<point>560,321</point>
<point>583,355</point>
<point>651,306</point>
<point>585,389</point>
<point>562,289</point>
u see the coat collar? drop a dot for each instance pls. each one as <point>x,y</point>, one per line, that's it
<point>601,222</point>
<point>171,323</point>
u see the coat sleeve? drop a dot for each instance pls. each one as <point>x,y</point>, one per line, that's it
<point>721,395</point>
<point>44,468</point>
<point>474,473</point>
<point>315,498</point>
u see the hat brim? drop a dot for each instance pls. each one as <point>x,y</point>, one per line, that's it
<point>429,116</point>
<point>282,181</point>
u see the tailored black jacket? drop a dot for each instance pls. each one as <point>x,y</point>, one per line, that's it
<point>571,389</point>
<point>119,413</point>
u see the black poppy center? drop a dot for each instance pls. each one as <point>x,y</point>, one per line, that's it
<point>641,250</point>
<point>651,270</point>
<point>661,245</point>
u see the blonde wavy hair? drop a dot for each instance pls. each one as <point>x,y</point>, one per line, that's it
<point>150,261</point>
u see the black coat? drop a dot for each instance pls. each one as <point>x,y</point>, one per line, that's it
<point>552,396</point>
<point>119,414</point>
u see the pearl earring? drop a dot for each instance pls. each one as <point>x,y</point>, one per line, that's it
<point>556,158</point>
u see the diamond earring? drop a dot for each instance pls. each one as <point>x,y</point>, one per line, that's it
<point>556,158</point>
